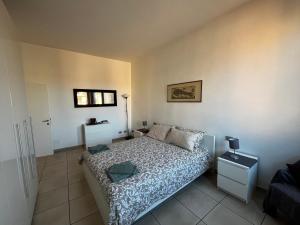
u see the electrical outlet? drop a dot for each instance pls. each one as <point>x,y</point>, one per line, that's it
<point>120,132</point>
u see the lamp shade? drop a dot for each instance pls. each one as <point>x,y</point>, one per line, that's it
<point>125,95</point>
<point>234,143</point>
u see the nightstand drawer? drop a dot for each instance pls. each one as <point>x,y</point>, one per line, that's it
<point>233,187</point>
<point>233,172</point>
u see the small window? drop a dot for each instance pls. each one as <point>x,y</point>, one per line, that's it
<point>82,98</point>
<point>97,98</point>
<point>109,98</point>
<point>94,98</point>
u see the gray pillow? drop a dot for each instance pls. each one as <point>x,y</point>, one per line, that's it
<point>199,142</point>
<point>159,132</point>
<point>183,139</point>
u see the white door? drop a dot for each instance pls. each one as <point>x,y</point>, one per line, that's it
<point>38,107</point>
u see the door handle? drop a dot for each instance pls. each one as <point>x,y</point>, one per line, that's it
<point>47,121</point>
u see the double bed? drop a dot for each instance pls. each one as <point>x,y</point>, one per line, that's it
<point>163,168</point>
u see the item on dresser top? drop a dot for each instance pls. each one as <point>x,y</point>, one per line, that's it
<point>96,123</point>
<point>184,139</point>
<point>234,144</point>
<point>237,176</point>
<point>98,148</point>
<point>159,131</point>
<point>121,171</point>
<point>92,121</point>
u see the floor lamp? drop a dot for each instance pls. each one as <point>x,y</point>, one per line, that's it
<point>126,96</point>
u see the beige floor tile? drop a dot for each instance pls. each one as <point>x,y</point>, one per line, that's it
<point>196,201</point>
<point>251,211</point>
<point>94,219</point>
<point>223,216</point>
<point>75,170</point>
<point>76,177</point>
<point>53,183</point>
<point>74,154</point>
<point>40,164</point>
<point>56,158</point>
<point>165,214</point>
<point>82,207</point>
<point>78,189</point>
<point>50,162</point>
<point>272,221</point>
<point>50,175</point>
<point>147,220</point>
<point>55,216</point>
<point>49,171</point>
<point>51,199</point>
<point>41,159</point>
<point>208,187</point>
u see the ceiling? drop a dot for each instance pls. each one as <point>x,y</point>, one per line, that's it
<point>118,29</point>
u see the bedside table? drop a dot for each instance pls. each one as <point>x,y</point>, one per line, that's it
<point>237,177</point>
<point>140,132</point>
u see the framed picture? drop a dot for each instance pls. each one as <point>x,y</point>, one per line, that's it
<point>185,92</point>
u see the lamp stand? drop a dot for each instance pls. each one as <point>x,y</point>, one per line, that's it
<point>127,128</point>
<point>234,156</point>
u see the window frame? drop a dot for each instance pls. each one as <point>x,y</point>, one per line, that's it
<point>90,97</point>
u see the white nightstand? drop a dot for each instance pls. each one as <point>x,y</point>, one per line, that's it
<point>237,177</point>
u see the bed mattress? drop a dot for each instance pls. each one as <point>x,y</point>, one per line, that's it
<point>163,169</point>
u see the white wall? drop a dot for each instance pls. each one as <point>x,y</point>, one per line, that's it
<point>64,70</point>
<point>249,63</point>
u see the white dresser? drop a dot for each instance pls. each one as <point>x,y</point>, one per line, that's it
<point>237,177</point>
<point>97,134</point>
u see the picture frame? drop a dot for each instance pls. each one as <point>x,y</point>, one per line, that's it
<point>185,92</point>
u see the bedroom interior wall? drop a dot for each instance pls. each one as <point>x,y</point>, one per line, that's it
<point>64,70</point>
<point>248,60</point>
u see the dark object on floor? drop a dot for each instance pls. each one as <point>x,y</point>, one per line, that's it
<point>121,171</point>
<point>129,137</point>
<point>98,148</point>
<point>294,169</point>
<point>284,196</point>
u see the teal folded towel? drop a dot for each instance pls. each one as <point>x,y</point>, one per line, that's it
<point>98,148</point>
<point>121,171</point>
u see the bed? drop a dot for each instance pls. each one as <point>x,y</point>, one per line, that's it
<point>164,169</point>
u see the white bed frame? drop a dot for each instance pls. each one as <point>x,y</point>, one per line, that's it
<point>97,189</point>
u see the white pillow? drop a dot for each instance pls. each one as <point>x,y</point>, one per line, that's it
<point>159,132</point>
<point>183,139</point>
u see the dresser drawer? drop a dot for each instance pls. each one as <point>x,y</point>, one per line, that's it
<point>235,188</point>
<point>233,172</point>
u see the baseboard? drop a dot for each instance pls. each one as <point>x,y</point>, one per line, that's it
<point>67,148</point>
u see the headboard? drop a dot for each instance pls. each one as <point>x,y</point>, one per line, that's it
<point>210,143</point>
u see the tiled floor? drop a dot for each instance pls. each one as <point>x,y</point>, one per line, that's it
<point>65,198</point>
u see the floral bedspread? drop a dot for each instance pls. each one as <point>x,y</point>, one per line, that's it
<point>163,169</point>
